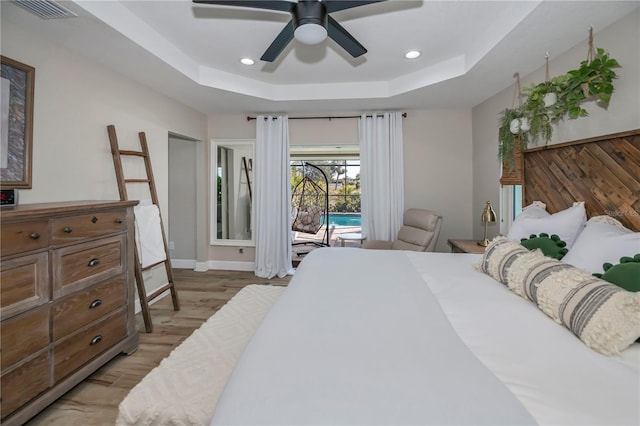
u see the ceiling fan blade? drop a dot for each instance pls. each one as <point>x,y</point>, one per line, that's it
<point>336,5</point>
<point>281,5</point>
<point>280,42</point>
<point>344,39</point>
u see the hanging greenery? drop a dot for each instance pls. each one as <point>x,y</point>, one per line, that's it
<point>594,78</point>
<point>549,102</point>
<point>508,138</point>
<point>514,126</point>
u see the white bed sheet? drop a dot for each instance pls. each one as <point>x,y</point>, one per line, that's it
<point>552,372</point>
<point>358,338</point>
<point>322,354</point>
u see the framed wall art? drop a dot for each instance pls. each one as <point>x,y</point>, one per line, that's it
<point>16,127</point>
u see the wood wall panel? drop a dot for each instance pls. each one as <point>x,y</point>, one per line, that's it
<point>604,172</point>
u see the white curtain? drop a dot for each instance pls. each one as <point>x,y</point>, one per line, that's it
<point>381,175</point>
<point>272,197</point>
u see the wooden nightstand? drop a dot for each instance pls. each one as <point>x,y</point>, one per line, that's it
<point>465,246</point>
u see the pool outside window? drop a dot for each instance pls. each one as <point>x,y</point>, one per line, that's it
<point>344,185</point>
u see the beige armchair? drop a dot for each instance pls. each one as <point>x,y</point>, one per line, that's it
<point>419,232</point>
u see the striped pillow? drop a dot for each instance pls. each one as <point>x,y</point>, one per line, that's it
<point>604,316</point>
<point>499,256</point>
<point>529,270</point>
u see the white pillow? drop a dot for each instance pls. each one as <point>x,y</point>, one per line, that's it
<point>603,240</point>
<point>537,207</point>
<point>567,224</point>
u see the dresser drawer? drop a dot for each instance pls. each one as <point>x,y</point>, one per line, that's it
<point>21,385</point>
<point>75,228</point>
<point>21,237</point>
<point>81,265</point>
<point>66,298</point>
<point>24,283</point>
<point>75,311</point>
<point>23,335</point>
<point>77,350</point>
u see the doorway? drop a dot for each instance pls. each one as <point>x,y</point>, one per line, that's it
<point>183,201</point>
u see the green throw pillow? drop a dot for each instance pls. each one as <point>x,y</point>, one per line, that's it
<point>625,274</point>
<point>552,246</point>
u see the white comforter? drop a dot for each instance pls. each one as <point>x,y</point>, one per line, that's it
<point>382,337</point>
<point>556,376</point>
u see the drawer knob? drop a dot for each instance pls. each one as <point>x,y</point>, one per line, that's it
<point>96,339</point>
<point>94,219</point>
<point>95,304</point>
<point>68,229</point>
<point>34,235</point>
<point>119,220</point>
<point>94,262</point>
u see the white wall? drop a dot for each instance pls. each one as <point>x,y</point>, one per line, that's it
<point>437,159</point>
<point>75,99</point>
<point>343,131</point>
<point>438,168</point>
<point>622,40</point>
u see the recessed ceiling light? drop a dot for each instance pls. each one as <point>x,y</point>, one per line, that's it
<point>247,61</point>
<point>412,54</point>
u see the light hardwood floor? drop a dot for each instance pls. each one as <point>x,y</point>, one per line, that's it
<point>95,401</point>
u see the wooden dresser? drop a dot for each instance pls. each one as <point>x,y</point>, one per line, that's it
<point>66,298</point>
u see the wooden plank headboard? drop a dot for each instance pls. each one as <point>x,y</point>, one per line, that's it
<point>604,172</point>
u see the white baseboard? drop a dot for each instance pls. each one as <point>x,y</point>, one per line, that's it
<point>225,265</point>
<point>183,263</point>
<point>230,265</point>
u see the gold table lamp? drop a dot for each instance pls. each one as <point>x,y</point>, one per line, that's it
<point>488,216</point>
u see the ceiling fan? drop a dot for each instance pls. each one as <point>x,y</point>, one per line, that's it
<point>310,22</point>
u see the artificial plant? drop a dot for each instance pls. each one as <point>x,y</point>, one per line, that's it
<point>593,80</point>
<point>508,139</point>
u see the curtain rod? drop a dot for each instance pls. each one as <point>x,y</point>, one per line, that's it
<point>404,115</point>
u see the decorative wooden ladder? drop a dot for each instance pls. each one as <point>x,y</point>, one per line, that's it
<point>122,188</point>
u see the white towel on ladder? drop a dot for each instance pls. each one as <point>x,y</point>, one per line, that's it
<point>149,235</point>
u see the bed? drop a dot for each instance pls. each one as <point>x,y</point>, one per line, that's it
<point>396,337</point>
<point>362,343</point>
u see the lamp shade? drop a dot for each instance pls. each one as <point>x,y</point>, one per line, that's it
<point>310,33</point>
<point>488,215</point>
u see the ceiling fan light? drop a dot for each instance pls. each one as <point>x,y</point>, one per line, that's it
<point>310,33</point>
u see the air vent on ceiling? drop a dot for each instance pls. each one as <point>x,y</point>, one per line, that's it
<point>46,9</point>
